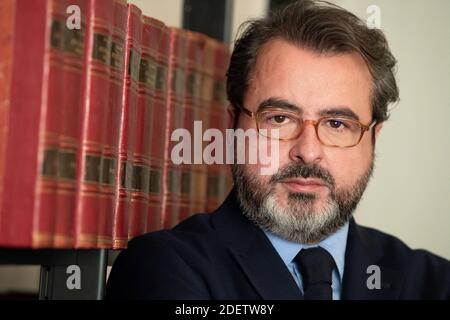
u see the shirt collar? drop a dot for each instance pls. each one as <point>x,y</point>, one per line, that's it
<point>335,244</point>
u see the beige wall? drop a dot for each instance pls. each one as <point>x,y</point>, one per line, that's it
<point>169,11</point>
<point>247,9</point>
<point>409,195</point>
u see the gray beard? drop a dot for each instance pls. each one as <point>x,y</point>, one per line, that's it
<point>299,221</point>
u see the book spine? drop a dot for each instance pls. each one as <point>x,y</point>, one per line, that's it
<point>151,41</point>
<point>222,58</point>
<point>140,164</point>
<point>141,158</point>
<point>96,101</point>
<point>48,191</point>
<point>214,116</point>
<point>127,139</point>
<point>31,141</point>
<point>73,51</point>
<point>193,185</point>
<point>161,41</point>
<point>186,169</point>
<point>174,119</point>
<point>7,19</point>
<point>112,126</point>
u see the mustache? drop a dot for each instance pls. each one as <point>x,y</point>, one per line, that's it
<point>298,170</point>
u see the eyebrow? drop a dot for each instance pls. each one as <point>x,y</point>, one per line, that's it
<point>278,103</point>
<point>339,111</point>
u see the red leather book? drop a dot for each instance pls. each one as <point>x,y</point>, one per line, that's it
<point>126,139</point>
<point>141,163</point>
<point>215,120</point>
<point>222,58</point>
<point>111,127</point>
<point>196,123</point>
<point>73,51</point>
<point>7,15</point>
<point>161,41</point>
<point>95,103</point>
<point>30,144</point>
<point>174,119</point>
<point>159,45</point>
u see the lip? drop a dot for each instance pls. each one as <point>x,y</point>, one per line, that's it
<point>303,185</point>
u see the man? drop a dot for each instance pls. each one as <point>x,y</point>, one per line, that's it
<point>319,82</point>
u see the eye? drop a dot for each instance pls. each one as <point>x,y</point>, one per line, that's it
<point>337,124</point>
<point>279,119</point>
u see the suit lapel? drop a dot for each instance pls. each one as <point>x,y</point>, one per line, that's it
<point>254,253</point>
<point>266,271</point>
<point>361,253</point>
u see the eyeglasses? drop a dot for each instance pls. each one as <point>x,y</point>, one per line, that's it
<point>332,131</point>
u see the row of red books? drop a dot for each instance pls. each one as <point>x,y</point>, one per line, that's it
<point>87,108</point>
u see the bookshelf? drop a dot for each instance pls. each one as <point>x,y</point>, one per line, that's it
<point>57,272</point>
<point>81,274</point>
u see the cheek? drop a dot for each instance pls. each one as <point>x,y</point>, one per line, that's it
<point>348,165</point>
<point>264,156</point>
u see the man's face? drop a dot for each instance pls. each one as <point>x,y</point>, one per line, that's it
<point>316,187</point>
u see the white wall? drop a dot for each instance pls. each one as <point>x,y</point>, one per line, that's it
<point>247,9</point>
<point>168,11</point>
<point>409,195</point>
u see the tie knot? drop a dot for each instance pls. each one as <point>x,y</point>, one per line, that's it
<point>315,265</point>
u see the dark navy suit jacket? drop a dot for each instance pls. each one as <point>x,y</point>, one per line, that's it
<point>224,256</point>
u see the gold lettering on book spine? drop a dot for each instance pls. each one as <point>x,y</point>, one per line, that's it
<point>101,50</point>
<point>92,168</point>
<point>147,73</point>
<point>186,183</point>
<point>178,81</point>
<point>109,171</point>
<point>219,94</point>
<point>117,50</point>
<point>56,34</point>
<point>133,67</point>
<point>191,84</point>
<point>170,181</point>
<point>161,76</point>
<point>126,176</point>
<point>67,165</point>
<point>155,181</point>
<point>140,178</point>
<point>50,164</point>
<point>74,41</point>
<point>213,186</point>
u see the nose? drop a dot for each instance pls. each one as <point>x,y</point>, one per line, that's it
<point>307,147</point>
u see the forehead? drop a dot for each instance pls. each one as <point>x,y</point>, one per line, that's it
<point>314,82</point>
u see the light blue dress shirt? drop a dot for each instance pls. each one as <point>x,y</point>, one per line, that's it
<point>334,244</point>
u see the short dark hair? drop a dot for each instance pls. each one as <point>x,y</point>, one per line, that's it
<point>321,27</point>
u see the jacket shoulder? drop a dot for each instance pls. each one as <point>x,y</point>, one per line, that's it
<point>426,275</point>
<point>165,264</point>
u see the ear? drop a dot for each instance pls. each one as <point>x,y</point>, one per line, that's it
<point>231,114</point>
<point>378,127</point>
